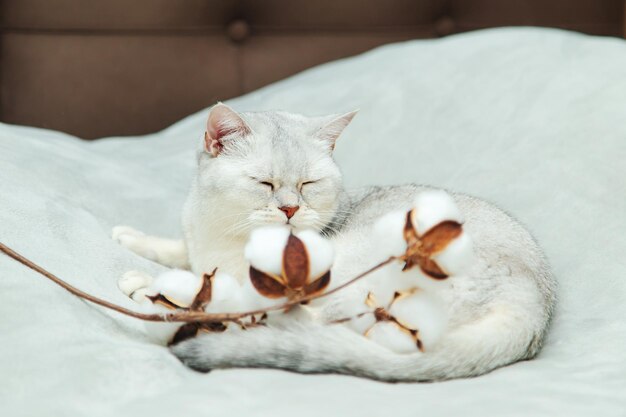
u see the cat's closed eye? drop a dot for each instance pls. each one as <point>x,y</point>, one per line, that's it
<point>267,184</point>
<point>263,183</point>
<point>307,183</point>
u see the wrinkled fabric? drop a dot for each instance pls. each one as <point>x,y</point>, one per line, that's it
<point>533,120</point>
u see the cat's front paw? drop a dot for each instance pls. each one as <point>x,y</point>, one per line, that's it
<point>125,234</point>
<point>134,284</point>
<point>134,240</point>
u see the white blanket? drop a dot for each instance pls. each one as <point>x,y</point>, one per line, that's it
<point>531,119</point>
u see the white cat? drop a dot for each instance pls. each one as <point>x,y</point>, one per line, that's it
<point>265,168</point>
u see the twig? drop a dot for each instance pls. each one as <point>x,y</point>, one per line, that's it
<point>183,316</point>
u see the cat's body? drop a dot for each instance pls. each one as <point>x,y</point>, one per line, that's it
<point>498,312</point>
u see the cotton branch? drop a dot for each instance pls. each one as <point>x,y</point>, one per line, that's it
<point>183,316</point>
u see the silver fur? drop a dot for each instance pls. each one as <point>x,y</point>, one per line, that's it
<point>499,313</point>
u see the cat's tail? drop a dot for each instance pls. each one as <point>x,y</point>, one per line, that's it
<point>468,350</point>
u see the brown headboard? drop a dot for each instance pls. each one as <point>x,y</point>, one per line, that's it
<point>96,68</point>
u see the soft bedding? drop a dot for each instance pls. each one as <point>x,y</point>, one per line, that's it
<point>531,119</point>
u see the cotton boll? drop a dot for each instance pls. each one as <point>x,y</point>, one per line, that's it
<point>433,207</point>
<point>180,287</point>
<point>422,311</point>
<point>391,336</point>
<point>226,295</point>
<point>457,257</point>
<point>265,248</point>
<point>388,233</point>
<point>320,250</point>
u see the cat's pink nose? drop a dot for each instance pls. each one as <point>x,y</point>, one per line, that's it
<point>289,210</point>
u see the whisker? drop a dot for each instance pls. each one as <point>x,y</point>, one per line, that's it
<point>241,213</point>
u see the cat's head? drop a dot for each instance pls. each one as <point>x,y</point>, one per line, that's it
<point>272,168</point>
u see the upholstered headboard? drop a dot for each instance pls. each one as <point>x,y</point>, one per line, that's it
<point>97,68</point>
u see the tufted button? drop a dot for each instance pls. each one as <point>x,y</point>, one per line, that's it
<point>238,30</point>
<point>444,26</point>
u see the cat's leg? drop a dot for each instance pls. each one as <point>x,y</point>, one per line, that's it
<point>134,284</point>
<point>168,252</point>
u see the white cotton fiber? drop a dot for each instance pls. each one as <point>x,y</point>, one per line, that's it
<point>302,314</point>
<point>352,306</point>
<point>362,324</point>
<point>384,286</point>
<point>252,300</point>
<point>458,257</point>
<point>226,295</point>
<point>389,335</point>
<point>178,286</point>
<point>428,283</point>
<point>391,279</point>
<point>433,207</point>
<point>388,235</point>
<point>320,250</point>
<point>265,248</point>
<point>422,311</point>
<point>158,332</point>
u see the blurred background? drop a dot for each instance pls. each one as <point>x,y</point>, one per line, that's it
<point>96,68</point>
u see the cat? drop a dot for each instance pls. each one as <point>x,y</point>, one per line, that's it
<point>265,168</point>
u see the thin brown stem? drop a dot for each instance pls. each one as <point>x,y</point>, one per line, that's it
<point>182,316</point>
<point>350,282</point>
<point>346,319</point>
<point>10,252</point>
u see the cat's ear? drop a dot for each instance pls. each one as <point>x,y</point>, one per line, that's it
<point>222,122</point>
<point>332,129</point>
